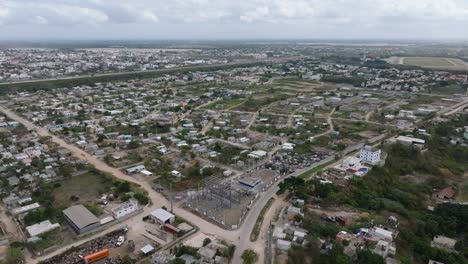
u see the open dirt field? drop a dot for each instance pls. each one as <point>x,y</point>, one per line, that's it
<point>431,62</point>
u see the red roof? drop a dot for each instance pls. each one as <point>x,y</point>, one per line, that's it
<point>448,193</point>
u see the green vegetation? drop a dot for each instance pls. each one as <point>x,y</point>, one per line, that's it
<point>249,256</point>
<point>48,240</point>
<point>227,153</point>
<point>86,187</point>
<point>14,255</point>
<point>229,251</point>
<point>258,224</point>
<point>312,171</point>
<point>206,241</point>
<point>81,189</point>
<point>356,81</point>
<point>402,187</point>
<point>193,175</point>
<point>253,104</point>
<point>227,104</point>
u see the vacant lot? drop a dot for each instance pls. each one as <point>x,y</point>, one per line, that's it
<point>431,62</point>
<point>87,187</point>
<point>227,104</point>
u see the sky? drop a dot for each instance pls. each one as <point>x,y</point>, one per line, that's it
<point>233,19</point>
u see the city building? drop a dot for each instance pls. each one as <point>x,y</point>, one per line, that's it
<point>370,155</point>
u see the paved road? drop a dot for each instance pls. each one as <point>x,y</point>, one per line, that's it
<point>249,223</point>
<point>240,237</point>
<point>455,108</point>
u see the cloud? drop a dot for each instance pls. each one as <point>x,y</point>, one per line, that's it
<point>281,16</point>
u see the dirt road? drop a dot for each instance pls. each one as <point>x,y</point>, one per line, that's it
<point>157,199</point>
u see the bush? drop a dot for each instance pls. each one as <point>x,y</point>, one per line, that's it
<point>141,198</point>
<point>206,241</point>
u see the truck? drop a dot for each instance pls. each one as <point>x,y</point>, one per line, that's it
<point>91,258</point>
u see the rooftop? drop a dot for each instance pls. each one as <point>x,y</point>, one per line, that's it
<point>80,216</point>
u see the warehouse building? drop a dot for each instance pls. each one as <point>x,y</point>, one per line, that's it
<point>80,219</point>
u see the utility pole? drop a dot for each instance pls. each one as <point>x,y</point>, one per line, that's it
<point>269,246</point>
<point>170,197</point>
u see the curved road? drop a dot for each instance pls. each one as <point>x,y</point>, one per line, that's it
<point>157,199</point>
<point>239,237</point>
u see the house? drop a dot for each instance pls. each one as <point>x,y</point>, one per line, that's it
<point>299,236</point>
<point>344,236</point>
<point>370,155</point>
<point>377,233</point>
<point>146,173</point>
<point>292,212</point>
<point>278,232</point>
<point>410,141</point>
<point>384,249</point>
<point>24,209</point>
<point>443,242</point>
<point>135,169</point>
<point>125,208</point>
<point>207,254</point>
<point>446,193</point>
<point>162,216</point>
<point>283,244</point>
<point>40,228</point>
<point>162,258</point>
<point>257,154</point>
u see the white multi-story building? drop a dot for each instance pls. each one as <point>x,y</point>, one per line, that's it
<point>370,155</point>
<point>125,208</point>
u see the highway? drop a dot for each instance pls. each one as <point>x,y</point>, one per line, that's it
<point>166,70</point>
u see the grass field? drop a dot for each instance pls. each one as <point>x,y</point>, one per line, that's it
<point>87,187</point>
<point>227,103</point>
<point>431,62</point>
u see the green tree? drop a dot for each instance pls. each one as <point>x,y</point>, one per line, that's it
<point>66,170</point>
<point>249,256</point>
<point>229,252</point>
<point>14,256</point>
<point>206,241</point>
<point>367,257</point>
<point>133,144</point>
<point>177,261</point>
<point>296,255</point>
<point>141,198</point>
<point>124,187</point>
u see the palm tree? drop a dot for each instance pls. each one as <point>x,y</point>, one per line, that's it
<point>229,252</point>
<point>249,256</point>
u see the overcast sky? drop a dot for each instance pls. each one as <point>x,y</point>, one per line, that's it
<point>233,19</point>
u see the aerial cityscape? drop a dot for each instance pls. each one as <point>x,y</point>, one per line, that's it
<point>145,133</point>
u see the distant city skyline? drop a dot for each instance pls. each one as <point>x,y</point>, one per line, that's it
<point>227,19</point>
